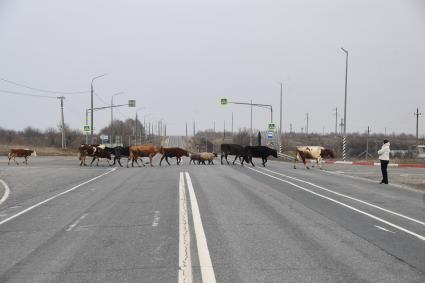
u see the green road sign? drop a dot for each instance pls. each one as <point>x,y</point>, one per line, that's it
<point>86,128</point>
<point>224,101</point>
<point>271,127</point>
<point>132,103</point>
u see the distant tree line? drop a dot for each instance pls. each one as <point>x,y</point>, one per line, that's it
<point>356,142</point>
<point>52,137</point>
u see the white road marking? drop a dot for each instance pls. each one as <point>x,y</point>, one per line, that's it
<point>207,270</point>
<point>420,237</point>
<point>55,196</point>
<point>351,198</point>
<point>6,191</point>
<point>156,218</point>
<point>185,264</point>
<point>76,222</point>
<point>384,229</point>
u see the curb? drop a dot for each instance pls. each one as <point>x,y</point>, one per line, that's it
<point>365,163</point>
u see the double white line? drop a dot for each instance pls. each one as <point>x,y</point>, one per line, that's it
<point>185,263</point>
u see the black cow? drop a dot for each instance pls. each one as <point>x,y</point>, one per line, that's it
<point>121,152</point>
<point>232,149</point>
<point>101,153</point>
<point>260,151</point>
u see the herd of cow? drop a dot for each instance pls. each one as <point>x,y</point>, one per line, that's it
<point>136,153</point>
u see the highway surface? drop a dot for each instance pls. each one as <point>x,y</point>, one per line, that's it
<point>190,223</point>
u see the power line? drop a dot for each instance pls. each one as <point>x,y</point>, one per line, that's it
<point>43,90</point>
<point>26,94</point>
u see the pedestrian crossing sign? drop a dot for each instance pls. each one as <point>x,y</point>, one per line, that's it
<point>86,128</point>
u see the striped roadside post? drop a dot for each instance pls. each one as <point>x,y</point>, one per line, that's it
<point>344,143</point>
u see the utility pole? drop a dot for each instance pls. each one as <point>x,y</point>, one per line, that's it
<point>306,128</point>
<point>344,138</point>
<point>342,125</point>
<point>214,126</point>
<point>250,135</point>
<point>417,114</point>
<point>193,127</point>
<point>224,129</point>
<point>62,122</point>
<point>135,130</point>
<point>336,121</point>
<point>186,129</point>
<point>290,128</point>
<point>232,123</point>
<point>280,119</point>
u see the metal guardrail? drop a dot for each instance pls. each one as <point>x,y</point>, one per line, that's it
<point>285,156</point>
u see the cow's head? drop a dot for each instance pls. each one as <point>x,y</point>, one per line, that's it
<point>186,153</point>
<point>326,152</point>
<point>273,152</point>
<point>33,153</point>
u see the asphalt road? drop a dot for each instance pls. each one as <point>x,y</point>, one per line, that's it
<point>224,223</point>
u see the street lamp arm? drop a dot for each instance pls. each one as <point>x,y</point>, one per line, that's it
<point>98,77</point>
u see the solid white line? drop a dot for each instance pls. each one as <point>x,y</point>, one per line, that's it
<point>351,198</point>
<point>53,197</point>
<point>185,263</point>
<point>207,270</point>
<point>76,222</point>
<point>156,218</point>
<point>420,237</point>
<point>6,191</point>
<point>384,229</point>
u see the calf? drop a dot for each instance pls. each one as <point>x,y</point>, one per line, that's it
<point>16,152</point>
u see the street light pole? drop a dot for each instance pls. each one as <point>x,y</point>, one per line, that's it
<point>344,138</point>
<point>91,107</point>
<point>112,113</point>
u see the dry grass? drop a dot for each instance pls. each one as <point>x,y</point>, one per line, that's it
<point>42,151</point>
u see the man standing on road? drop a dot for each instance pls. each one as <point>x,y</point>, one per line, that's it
<point>384,157</point>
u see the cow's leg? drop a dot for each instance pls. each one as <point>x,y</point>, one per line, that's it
<point>226,158</point>
<point>162,158</point>
<point>221,158</point>
<point>250,160</point>
<point>264,161</point>
<point>319,163</point>
<point>234,160</point>
<point>10,157</point>
<point>150,159</point>
<point>92,161</point>
<point>166,159</point>
<point>119,162</point>
<point>128,161</point>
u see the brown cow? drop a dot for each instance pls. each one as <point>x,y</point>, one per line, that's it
<point>147,150</point>
<point>17,152</point>
<point>312,152</point>
<point>173,152</point>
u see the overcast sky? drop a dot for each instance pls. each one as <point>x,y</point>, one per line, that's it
<point>178,58</point>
